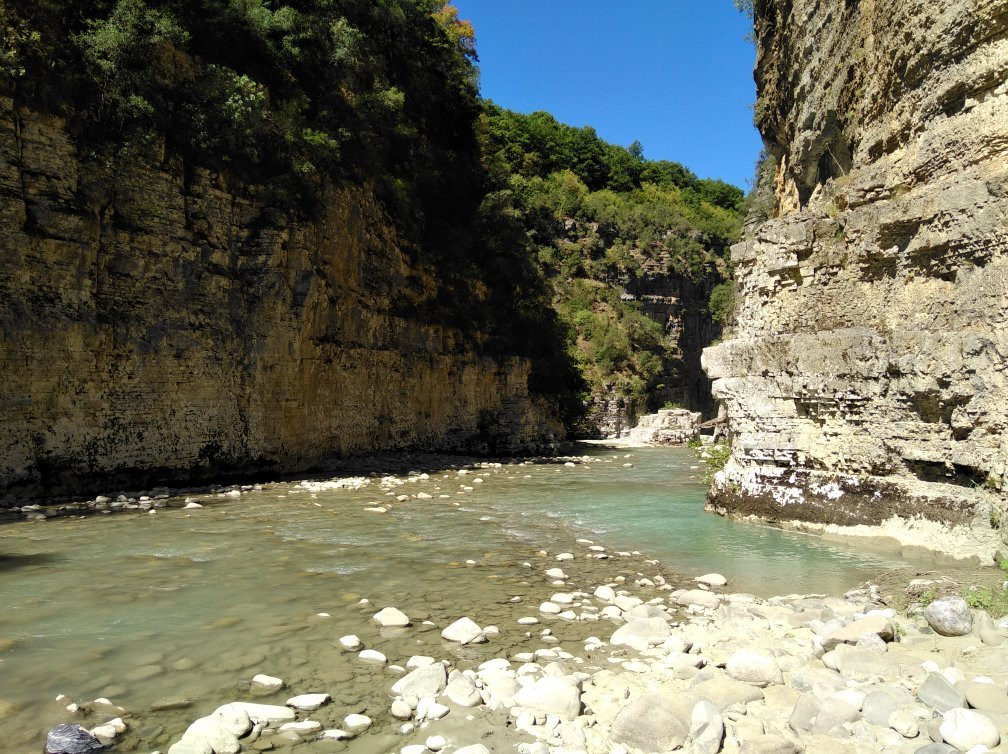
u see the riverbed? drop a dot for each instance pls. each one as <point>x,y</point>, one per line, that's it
<point>169,614</point>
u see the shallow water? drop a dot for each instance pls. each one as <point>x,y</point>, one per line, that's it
<point>181,608</point>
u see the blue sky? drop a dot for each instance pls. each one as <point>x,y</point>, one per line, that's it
<point>674,74</point>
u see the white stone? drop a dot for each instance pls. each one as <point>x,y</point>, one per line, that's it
<point>335,734</point>
<point>267,714</point>
<point>434,711</point>
<point>192,506</point>
<point>372,655</point>
<point>463,691</point>
<point>965,729</point>
<point>351,642</point>
<point>550,608</point>
<point>211,731</point>
<point>606,593</point>
<point>463,631</point>
<point>233,719</point>
<point>564,556</point>
<point>401,709</point>
<point>356,723</point>
<point>436,743</point>
<point>711,579</point>
<point>308,702</point>
<point>302,727</point>
<point>390,617</point>
<point>267,681</point>
<point>552,696</point>
<point>528,621</point>
<point>474,749</point>
<point>556,573</point>
<point>424,681</point>
<point>413,749</point>
<point>755,668</point>
<point>419,661</point>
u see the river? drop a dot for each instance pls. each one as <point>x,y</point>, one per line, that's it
<point>169,614</point>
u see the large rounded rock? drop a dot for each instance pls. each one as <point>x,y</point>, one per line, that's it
<point>426,681</point>
<point>655,723</point>
<point>71,738</point>
<point>755,668</point>
<point>950,616</point>
<point>641,634</point>
<point>964,729</point>
<point>552,696</point>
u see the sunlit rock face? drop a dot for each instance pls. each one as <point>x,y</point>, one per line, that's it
<point>866,376</point>
<point>157,327</point>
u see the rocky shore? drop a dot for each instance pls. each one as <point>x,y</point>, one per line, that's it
<point>596,650</point>
<point>697,668</point>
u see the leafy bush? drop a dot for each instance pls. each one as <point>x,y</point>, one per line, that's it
<point>722,302</point>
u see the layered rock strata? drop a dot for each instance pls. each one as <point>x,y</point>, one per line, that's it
<point>164,328</point>
<point>865,382</point>
<point>670,426</point>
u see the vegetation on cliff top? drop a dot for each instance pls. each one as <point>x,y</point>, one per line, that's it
<point>602,218</point>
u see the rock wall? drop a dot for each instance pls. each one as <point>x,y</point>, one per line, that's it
<point>155,326</point>
<point>865,382</point>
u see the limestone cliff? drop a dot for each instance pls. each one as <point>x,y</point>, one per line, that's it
<point>865,382</point>
<point>160,327</point>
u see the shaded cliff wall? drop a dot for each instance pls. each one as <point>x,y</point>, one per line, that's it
<point>679,304</point>
<point>160,327</point>
<point>866,377</point>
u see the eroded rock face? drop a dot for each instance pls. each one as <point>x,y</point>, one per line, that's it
<point>866,377</point>
<point>156,324</point>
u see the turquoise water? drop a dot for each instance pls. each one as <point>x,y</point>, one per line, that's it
<point>657,507</point>
<point>185,606</point>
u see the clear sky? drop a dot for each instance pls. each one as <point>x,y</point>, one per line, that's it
<point>674,74</point>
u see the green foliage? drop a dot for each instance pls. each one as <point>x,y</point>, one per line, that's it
<point>602,216</point>
<point>716,457</point>
<point>928,596</point>
<point>1003,565</point>
<point>722,302</point>
<point>993,601</point>
<point>761,203</point>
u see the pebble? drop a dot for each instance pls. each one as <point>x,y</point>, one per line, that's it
<point>351,642</point>
<point>372,655</point>
<point>302,727</point>
<point>356,723</point>
<point>267,682</point>
<point>308,702</point>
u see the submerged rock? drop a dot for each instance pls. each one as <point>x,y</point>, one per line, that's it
<point>70,738</point>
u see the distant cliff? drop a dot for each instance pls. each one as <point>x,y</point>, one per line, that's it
<point>866,381</point>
